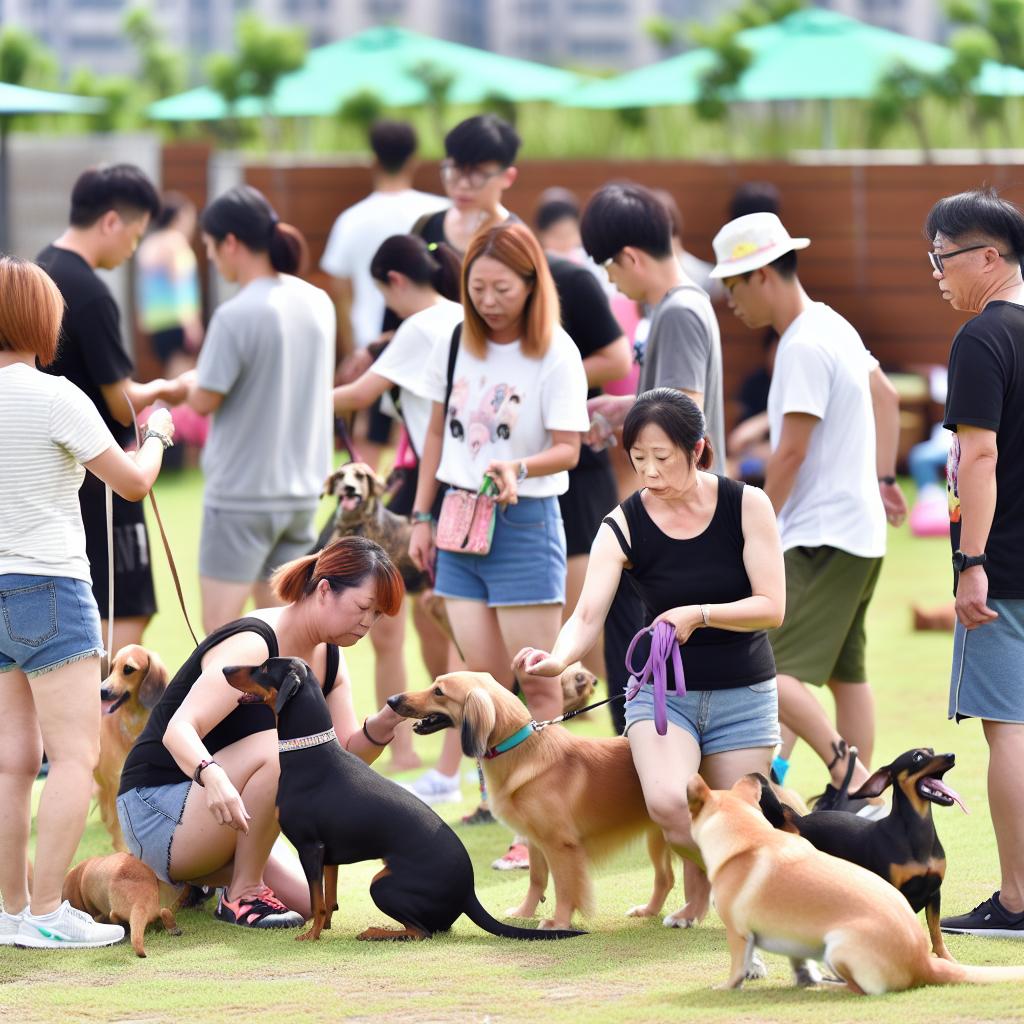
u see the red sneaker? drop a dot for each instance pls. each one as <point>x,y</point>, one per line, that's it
<point>264,910</point>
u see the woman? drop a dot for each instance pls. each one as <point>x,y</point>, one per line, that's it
<point>420,284</point>
<point>198,789</point>
<point>704,553</point>
<point>265,372</point>
<point>50,642</point>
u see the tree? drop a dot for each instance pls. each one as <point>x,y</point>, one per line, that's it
<point>438,83</point>
<point>161,67</point>
<point>361,109</point>
<point>123,109</point>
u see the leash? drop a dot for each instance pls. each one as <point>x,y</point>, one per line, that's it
<point>664,646</point>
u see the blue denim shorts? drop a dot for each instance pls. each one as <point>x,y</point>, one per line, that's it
<point>986,681</point>
<point>46,622</point>
<point>526,563</point>
<point>736,719</point>
<point>149,815</point>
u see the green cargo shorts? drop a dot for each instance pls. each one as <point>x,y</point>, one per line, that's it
<point>827,596</point>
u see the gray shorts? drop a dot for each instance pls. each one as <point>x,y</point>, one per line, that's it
<point>986,680</point>
<point>246,547</point>
<point>149,815</point>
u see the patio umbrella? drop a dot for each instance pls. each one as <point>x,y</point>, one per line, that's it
<point>384,61</point>
<point>16,100</point>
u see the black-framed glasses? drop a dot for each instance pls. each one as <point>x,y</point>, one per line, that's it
<point>475,178</point>
<point>936,258</point>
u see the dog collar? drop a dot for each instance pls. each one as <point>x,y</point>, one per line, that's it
<point>302,742</point>
<point>513,741</point>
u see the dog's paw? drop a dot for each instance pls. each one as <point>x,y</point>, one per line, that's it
<point>679,920</point>
<point>523,910</point>
<point>757,968</point>
<point>548,924</point>
<point>643,910</point>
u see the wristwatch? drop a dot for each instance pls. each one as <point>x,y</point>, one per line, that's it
<point>962,561</point>
<point>421,517</point>
<point>162,438</point>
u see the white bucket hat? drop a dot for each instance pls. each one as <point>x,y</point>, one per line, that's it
<point>753,241</point>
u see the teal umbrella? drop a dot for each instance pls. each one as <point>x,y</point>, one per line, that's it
<point>809,55</point>
<point>384,61</point>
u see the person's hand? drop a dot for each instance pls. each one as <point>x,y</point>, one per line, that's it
<point>534,662</point>
<point>612,407</point>
<point>506,478</point>
<point>175,391</point>
<point>384,723</point>
<point>601,434</point>
<point>353,367</point>
<point>894,502</point>
<point>685,620</point>
<point>972,598</point>
<point>421,547</point>
<point>223,800</point>
<point>160,421</point>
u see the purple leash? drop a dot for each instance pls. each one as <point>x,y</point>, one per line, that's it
<point>663,646</point>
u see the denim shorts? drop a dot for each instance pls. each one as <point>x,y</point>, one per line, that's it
<point>46,622</point>
<point>986,681</point>
<point>740,718</point>
<point>246,547</point>
<point>149,815</point>
<point>526,563</point>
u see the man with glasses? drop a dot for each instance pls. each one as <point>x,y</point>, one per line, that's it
<point>977,241</point>
<point>834,426</point>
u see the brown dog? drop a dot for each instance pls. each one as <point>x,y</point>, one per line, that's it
<point>775,891</point>
<point>120,890</point>
<point>136,682</point>
<point>575,799</point>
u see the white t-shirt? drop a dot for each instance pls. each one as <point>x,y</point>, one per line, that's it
<point>354,240</point>
<point>505,407</point>
<point>822,369</point>
<point>405,359</point>
<point>48,428</point>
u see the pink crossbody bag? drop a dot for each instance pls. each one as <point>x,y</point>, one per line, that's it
<point>466,523</point>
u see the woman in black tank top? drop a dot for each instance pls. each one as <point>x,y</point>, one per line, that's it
<point>198,788</point>
<point>704,554</point>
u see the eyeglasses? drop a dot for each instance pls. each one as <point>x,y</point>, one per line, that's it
<point>451,172</point>
<point>936,258</point>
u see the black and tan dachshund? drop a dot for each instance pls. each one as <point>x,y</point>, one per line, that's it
<point>337,810</point>
<point>902,847</point>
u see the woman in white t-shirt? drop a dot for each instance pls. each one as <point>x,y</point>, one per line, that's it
<point>50,642</point>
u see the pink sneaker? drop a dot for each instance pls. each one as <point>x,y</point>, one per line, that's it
<point>517,856</point>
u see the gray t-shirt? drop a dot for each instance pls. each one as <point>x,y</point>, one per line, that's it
<point>270,352</point>
<point>684,351</point>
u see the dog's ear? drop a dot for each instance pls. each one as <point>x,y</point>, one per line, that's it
<point>72,888</point>
<point>748,788</point>
<point>879,782</point>
<point>153,684</point>
<point>478,718</point>
<point>293,681</point>
<point>330,483</point>
<point>697,793</point>
<point>375,483</point>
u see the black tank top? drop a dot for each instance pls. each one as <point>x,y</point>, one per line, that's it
<point>149,762</point>
<point>706,569</point>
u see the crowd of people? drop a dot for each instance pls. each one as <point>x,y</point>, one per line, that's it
<point>505,355</point>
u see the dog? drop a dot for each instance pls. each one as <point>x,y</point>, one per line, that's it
<point>578,685</point>
<point>575,799</point>
<point>120,890</point>
<point>337,810</point>
<point>136,683</point>
<point>903,847</point>
<point>775,891</point>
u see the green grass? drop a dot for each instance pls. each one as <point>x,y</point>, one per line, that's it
<point>625,970</point>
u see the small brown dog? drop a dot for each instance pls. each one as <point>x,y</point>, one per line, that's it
<point>120,890</point>
<point>136,682</point>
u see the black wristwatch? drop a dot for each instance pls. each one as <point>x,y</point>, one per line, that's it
<point>962,561</point>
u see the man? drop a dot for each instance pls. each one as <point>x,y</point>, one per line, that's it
<point>977,241</point>
<point>110,209</point>
<point>831,479</point>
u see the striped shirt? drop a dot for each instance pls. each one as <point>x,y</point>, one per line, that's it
<point>48,427</point>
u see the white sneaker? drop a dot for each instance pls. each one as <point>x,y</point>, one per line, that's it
<point>432,787</point>
<point>8,928</point>
<point>65,928</point>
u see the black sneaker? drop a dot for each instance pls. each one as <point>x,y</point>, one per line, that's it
<point>264,910</point>
<point>481,816</point>
<point>990,918</point>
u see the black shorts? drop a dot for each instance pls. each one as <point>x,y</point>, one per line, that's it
<point>402,501</point>
<point>591,496</point>
<point>378,424</point>
<point>134,594</point>
<point>168,342</point>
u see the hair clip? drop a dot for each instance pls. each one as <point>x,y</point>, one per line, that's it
<point>432,246</point>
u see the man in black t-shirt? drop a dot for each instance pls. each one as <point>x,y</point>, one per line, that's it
<point>110,208</point>
<point>977,242</point>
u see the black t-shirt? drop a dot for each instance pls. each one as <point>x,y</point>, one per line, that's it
<point>986,389</point>
<point>90,354</point>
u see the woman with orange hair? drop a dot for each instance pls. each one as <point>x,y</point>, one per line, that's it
<point>198,789</point>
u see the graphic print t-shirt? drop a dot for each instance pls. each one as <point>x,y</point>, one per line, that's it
<point>505,407</point>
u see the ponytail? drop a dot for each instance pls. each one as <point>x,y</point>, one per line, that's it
<point>288,251</point>
<point>707,456</point>
<point>435,265</point>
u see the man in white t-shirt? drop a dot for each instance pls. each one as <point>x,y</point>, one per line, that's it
<point>834,426</point>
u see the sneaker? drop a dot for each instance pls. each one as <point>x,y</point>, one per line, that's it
<point>65,928</point>
<point>8,928</point>
<point>432,787</point>
<point>516,856</point>
<point>481,816</point>
<point>264,910</point>
<point>836,800</point>
<point>990,918</point>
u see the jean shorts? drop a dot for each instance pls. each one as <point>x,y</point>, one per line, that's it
<point>246,547</point>
<point>986,681</point>
<point>149,815</point>
<point>740,718</point>
<point>46,622</point>
<point>526,563</point>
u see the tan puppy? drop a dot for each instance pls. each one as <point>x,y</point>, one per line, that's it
<point>121,890</point>
<point>575,799</point>
<point>136,683</point>
<point>775,891</point>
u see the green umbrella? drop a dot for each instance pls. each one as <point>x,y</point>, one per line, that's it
<point>809,55</point>
<point>384,61</point>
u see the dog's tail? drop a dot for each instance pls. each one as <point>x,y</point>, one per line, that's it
<point>945,972</point>
<point>475,912</point>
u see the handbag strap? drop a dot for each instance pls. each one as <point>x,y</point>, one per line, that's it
<point>453,355</point>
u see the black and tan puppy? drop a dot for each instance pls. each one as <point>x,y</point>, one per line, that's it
<point>337,810</point>
<point>902,847</point>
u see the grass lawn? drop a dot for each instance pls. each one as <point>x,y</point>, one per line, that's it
<point>624,970</point>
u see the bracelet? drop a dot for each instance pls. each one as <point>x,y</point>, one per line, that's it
<point>890,480</point>
<point>376,743</point>
<point>421,517</point>
<point>162,438</point>
<point>705,613</point>
<point>205,763</point>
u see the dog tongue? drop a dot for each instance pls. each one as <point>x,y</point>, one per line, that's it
<point>938,784</point>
